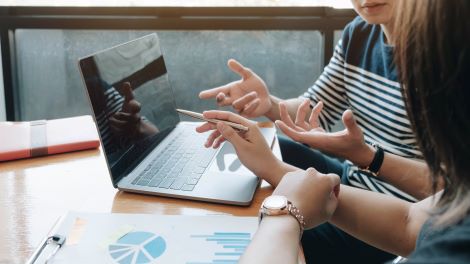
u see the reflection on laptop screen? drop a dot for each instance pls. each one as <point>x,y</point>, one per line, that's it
<point>132,100</point>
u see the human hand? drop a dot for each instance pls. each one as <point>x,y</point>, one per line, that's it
<point>313,193</point>
<point>251,147</point>
<point>126,121</point>
<point>348,143</point>
<point>248,96</point>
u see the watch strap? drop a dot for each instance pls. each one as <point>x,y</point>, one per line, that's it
<point>295,212</point>
<point>376,163</point>
<point>290,209</point>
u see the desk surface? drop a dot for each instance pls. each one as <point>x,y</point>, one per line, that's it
<point>34,193</point>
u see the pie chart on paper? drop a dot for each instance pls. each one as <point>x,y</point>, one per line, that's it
<point>137,247</point>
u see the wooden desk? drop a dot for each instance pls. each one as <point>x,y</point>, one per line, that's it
<point>34,193</point>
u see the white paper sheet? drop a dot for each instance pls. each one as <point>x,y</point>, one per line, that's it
<point>157,239</point>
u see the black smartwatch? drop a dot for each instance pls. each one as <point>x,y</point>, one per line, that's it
<point>376,163</point>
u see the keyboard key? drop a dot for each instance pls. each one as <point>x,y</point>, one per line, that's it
<point>186,171</point>
<point>166,183</point>
<point>195,175</point>
<point>178,183</point>
<point>172,175</point>
<point>143,182</point>
<point>187,187</point>
<point>136,179</point>
<point>148,175</point>
<point>155,182</point>
<point>199,170</point>
<point>192,181</point>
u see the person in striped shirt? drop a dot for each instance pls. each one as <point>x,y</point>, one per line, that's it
<point>359,87</point>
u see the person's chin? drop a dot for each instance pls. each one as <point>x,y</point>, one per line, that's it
<point>376,19</point>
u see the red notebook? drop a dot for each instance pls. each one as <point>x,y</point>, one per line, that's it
<point>20,140</point>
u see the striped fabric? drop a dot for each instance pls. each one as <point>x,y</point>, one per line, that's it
<point>379,109</point>
<point>114,102</point>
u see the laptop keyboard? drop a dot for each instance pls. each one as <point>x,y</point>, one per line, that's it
<point>180,165</point>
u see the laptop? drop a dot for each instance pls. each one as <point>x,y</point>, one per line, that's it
<point>148,148</point>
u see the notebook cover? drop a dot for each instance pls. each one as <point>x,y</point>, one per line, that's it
<point>20,140</point>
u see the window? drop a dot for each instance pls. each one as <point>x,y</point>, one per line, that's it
<point>50,85</point>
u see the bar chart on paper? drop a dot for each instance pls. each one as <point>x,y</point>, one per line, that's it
<point>231,246</point>
<point>137,247</point>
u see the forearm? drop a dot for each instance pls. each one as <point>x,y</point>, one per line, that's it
<point>382,221</point>
<point>276,241</point>
<point>275,172</point>
<point>410,176</point>
<point>292,105</point>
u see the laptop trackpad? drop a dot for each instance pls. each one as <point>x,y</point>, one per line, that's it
<point>227,161</point>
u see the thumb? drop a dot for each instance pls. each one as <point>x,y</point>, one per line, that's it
<point>127,91</point>
<point>230,134</point>
<point>350,122</point>
<point>290,132</point>
<point>238,68</point>
<point>130,104</point>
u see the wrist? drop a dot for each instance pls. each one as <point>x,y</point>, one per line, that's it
<point>273,112</point>
<point>275,171</point>
<point>374,166</point>
<point>365,157</point>
<point>286,224</point>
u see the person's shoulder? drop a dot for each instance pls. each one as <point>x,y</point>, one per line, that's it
<point>358,33</point>
<point>358,24</point>
<point>448,245</point>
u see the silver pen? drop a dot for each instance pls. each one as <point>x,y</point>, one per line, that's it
<point>199,116</point>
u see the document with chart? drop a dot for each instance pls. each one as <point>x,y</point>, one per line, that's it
<point>146,238</point>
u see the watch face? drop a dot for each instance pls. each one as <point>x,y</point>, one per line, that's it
<point>275,202</point>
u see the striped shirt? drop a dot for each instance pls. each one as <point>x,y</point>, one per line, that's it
<point>361,76</point>
<point>114,101</point>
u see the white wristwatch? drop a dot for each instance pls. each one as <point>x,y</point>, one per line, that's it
<point>279,205</point>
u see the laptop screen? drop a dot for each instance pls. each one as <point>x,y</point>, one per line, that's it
<point>132,101</point>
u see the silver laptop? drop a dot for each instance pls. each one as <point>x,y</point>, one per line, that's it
<point>147,148</point>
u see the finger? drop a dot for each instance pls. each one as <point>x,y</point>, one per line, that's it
<point>289,131</point>
<point>231,135</point>
<point>285,117</point>
<point>311,171</point>
<point>336,183</point>
<point>350,122</point>
<point>313,120</point>
<point>251,107</point>
<point>126,117</point>
<point>133,107</point>
<point>205,127</point>
<point>116,129</point>
<point>127,91</point>
<point>218,141</point>
<point>210,140</point>
<point>241,102</point>
<point>238,68</point>
<point>302,113</point>
<point>212,93</point>
<point>116,122</point>
<point>335,180</point>
<point>223,100</point>
<point>228,116</point>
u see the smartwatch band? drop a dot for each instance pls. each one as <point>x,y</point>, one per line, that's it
<point>376,163</point>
